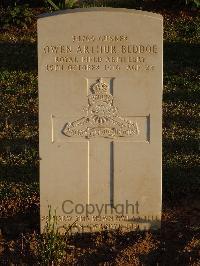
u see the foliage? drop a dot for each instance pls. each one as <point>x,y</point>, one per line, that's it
<point>185,30</point>
<point>64,4</point>
<point>112,3</point>
<point>31,3</point>
<point>193,2</point>
<point>189,30</point>
<point>52,245</point>
<point>171,4</point>
<point>17,197</point>
<point>17,15</point>
<point>61,4</point>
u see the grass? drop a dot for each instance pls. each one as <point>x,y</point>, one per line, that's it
<point>178,242</point>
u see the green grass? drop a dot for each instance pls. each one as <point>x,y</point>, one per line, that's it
<point>19,159</point>
<point>181,108</point>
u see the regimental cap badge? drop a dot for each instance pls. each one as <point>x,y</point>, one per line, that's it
<point>102,118</point>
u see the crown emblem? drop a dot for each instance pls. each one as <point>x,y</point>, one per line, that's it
<point>100,92</point>
<point>100,87</point>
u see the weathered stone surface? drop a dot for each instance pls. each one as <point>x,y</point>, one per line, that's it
<point>100,91</point>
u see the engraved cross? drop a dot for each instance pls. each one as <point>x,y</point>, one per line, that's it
<point>101,126</point>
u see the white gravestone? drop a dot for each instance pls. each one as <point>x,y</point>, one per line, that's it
<point>100,97</point>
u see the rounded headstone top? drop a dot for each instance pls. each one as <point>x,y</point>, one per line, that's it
<point>101,9</point>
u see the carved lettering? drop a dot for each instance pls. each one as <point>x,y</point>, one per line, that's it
<point>140,49</point>
<point>99,49</point>
<point>55,49</point>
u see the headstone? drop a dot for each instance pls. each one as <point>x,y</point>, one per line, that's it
<point>100,100</point>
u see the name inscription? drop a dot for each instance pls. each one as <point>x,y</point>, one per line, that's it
<point>99,53</point>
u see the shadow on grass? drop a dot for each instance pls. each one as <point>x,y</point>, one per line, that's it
<point>26,173</point>
<point>183,94</point>
<point>181,57</point>
<point>16,231</point>
<point>109,246</point>
<point>174,236</point>
<point>27,221</point>
<point>18,56</point>
<point>191,145</point>
<point>20,161</point>
<point>180,184</point>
